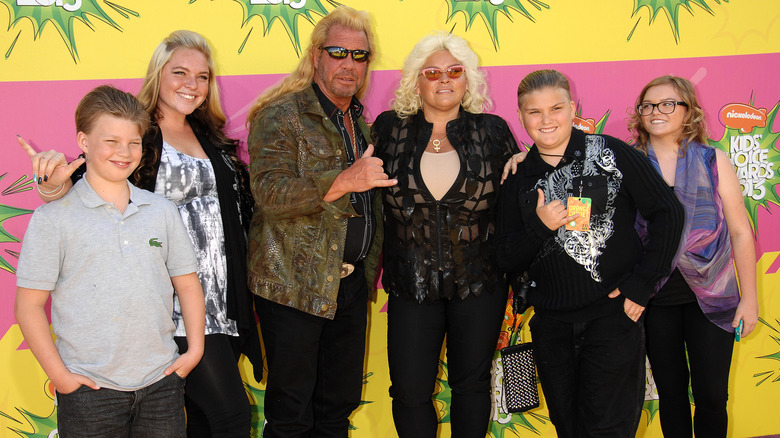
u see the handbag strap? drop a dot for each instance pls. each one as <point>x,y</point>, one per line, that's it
<point>517,326</point>
<point>519,319</point>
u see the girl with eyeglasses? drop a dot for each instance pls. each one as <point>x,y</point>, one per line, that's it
<point>701,305</point>
<point>188,159</point>
<point>439,267</point>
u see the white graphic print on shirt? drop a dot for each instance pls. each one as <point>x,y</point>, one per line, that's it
<point>584,247</point>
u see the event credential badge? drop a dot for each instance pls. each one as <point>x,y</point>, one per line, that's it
<point>581,206</point>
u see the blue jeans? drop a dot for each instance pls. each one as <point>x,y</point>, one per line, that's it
<point>156,411</point>
<point>592,374</point>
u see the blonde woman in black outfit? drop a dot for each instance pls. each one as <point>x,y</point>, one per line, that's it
<point>438,255</point>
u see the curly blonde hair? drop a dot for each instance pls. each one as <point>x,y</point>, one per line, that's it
<point>303,75</point>
<point>694,126</point>
<point>407,102</point>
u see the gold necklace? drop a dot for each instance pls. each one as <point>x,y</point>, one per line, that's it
<point>354,137</point>
<point>437,143</point>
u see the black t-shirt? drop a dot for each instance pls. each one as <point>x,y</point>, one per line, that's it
<point>675,292</point>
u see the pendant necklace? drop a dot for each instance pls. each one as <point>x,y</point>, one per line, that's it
<point>437,143</point>
<point>354,137</point>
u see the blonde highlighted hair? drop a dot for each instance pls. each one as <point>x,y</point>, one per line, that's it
<point>210,112</point>
<point>208,119</point>
<point>407,101</point>
<point>303,75</point>
<point>694,126</point>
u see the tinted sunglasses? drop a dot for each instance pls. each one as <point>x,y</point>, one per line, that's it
<point>434,74</point>
<point>336,52</point>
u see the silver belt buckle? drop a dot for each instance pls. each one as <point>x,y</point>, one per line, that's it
<point>346,269</point>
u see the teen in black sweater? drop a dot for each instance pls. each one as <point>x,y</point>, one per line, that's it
<point>592,285</point>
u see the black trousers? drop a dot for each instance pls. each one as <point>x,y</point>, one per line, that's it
<point>315,365</point>
<point>592,374</point>
<point>216,402</point>
<point>670,329</point>
<point>415,334</point>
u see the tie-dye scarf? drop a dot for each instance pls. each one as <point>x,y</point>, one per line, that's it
<point>704,258</point>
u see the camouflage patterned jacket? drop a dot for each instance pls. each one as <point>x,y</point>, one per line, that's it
<point>296,240</point>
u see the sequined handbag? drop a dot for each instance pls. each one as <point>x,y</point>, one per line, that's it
<point>521,392</point>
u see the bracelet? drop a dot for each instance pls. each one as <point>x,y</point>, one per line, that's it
<point>54,192</point>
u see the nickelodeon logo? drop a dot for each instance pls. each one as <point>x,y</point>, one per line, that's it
<point>292,3</point>
<point>743,117</point>
<point>586,125</point>
<point>68,6</point>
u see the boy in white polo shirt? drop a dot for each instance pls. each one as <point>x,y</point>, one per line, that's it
<point>110,255</point>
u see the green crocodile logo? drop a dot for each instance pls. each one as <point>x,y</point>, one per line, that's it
<point>154,242</point>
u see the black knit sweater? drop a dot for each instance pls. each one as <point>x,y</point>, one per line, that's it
<point>575,271</point>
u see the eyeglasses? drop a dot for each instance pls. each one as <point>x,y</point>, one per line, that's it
<point>434,74</point>
<point>358,55</point>
<point>665,107</point>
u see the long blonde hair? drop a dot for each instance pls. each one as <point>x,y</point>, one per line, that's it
<point>694,126</point>
<point>210,113</point>
<point>209,116</point>
<point>475,100</point>
<point>303,75</point>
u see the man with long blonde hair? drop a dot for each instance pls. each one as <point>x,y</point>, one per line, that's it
<point>314,240</point>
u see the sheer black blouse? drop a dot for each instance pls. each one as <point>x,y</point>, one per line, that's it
<point>441,249</point>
